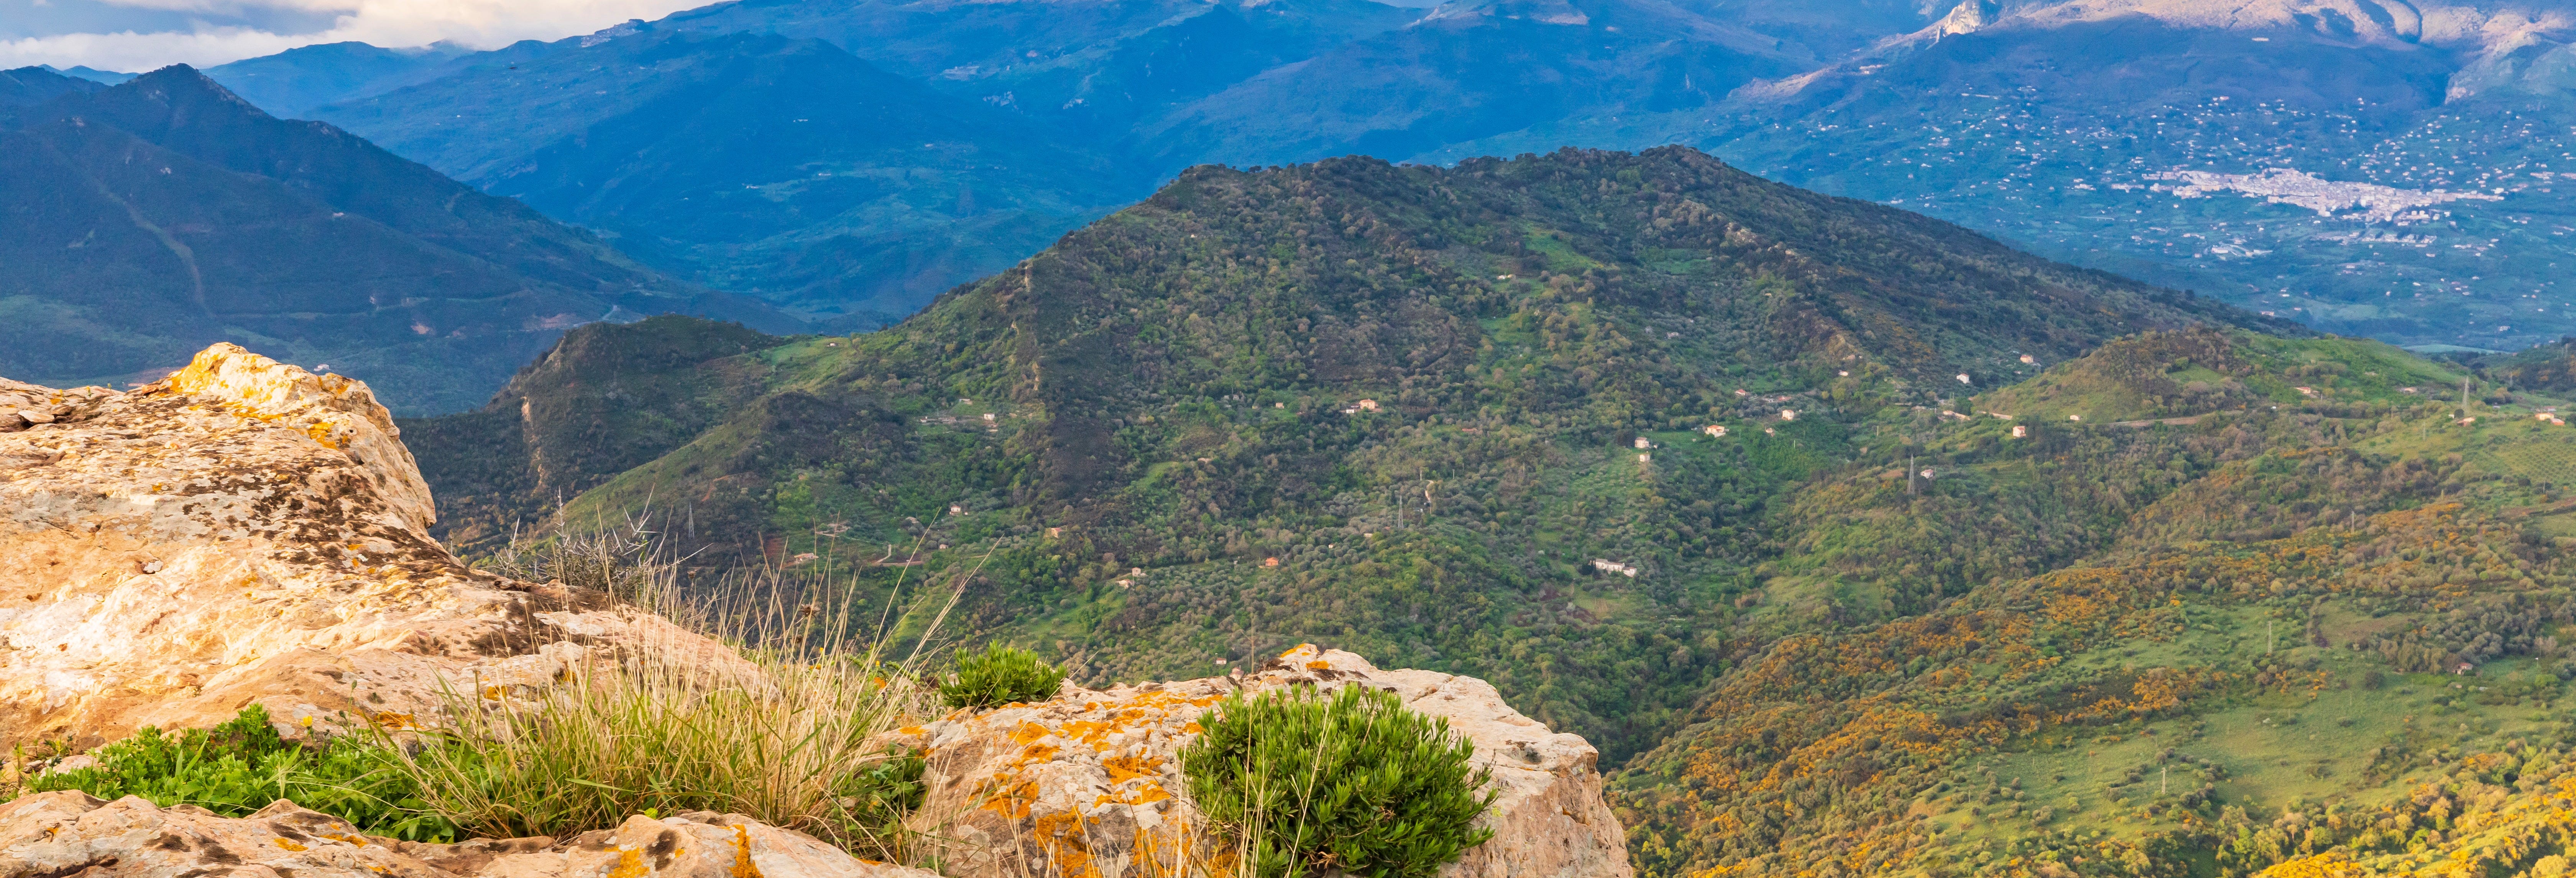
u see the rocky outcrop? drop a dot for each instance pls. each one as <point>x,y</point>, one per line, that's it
<point>72,834</point>
<point>1088,785</point>
<point>246,531</point>
<point>1968,17</point>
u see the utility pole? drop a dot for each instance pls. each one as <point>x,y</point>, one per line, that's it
<point>2464,397</point>
<point>2267,636</point>
<point>2163,785</point>
<point>1909,475</point>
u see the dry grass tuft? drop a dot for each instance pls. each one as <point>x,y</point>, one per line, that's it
<point>777,720</point>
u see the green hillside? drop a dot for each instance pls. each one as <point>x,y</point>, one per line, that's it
<point>2162,375</point>
<point>1435,416</point>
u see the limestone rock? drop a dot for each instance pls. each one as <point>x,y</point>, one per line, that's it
<point>72,834</point>
<point>245,531</point>
<point>1089,783</point>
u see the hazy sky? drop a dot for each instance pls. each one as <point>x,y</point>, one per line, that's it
<point>138,35</point>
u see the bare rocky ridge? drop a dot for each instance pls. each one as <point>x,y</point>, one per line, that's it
<point>1089,783</point>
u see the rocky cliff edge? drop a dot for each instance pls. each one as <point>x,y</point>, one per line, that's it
<point>245,532</point>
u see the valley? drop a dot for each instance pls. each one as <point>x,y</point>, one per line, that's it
<point>2442,232</point>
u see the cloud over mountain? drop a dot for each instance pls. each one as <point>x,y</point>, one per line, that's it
<point>141,34</point>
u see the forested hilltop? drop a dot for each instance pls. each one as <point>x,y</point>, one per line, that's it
<point>1861,544</point>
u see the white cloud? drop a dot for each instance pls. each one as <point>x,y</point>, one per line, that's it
<point>478,23</point>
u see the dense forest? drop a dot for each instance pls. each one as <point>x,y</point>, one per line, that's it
<point>1860,544</point>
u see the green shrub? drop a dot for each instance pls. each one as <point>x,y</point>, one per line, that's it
<point>243,765</point>
<point>999,675</point>
<point>1351,782</point>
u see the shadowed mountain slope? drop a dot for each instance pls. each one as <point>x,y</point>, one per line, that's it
<point>161,215</point>
<point>784,168</point>
<point>29,86</point>
<point>291,83</point>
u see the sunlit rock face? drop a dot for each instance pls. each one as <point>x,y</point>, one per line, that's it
<point>243,532</point>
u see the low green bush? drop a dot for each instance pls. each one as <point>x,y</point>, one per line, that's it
<point>999,675</point>
<point>243,765</point>
<point>1351,782</point>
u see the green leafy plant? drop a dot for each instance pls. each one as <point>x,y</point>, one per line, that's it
<point>999,675</point>
<point>1349,782</point>
<point>241,766</point>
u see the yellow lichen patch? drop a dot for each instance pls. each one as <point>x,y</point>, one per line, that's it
<point>1126,768</point>
<point>1319,665</point>
<point>630,864</point>
<point>1014,800</point>
<point>1117,730</point>
<point>1146,794</point>
<point>1060,836</point>
<point>289,845</point>
<point>742,867</point>
<point>328,433</point>
<point>1095,734</point>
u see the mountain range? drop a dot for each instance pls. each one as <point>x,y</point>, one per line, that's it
<point>1860,543</point>
<point>151,218</point>
<point>2365,167</point>
<point>782,167</point>
<point>2373,169</point>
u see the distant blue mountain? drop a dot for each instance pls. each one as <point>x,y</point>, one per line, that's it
<point>108,77</point>
<point>151,218</point>
<point>853,159</point>
<point>29,86</point>
<point>785,168</point>
<point>290,83</point>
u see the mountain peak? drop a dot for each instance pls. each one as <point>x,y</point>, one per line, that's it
<point>1971,15</point>
<point>29,86</point>
<point>172,98</point>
